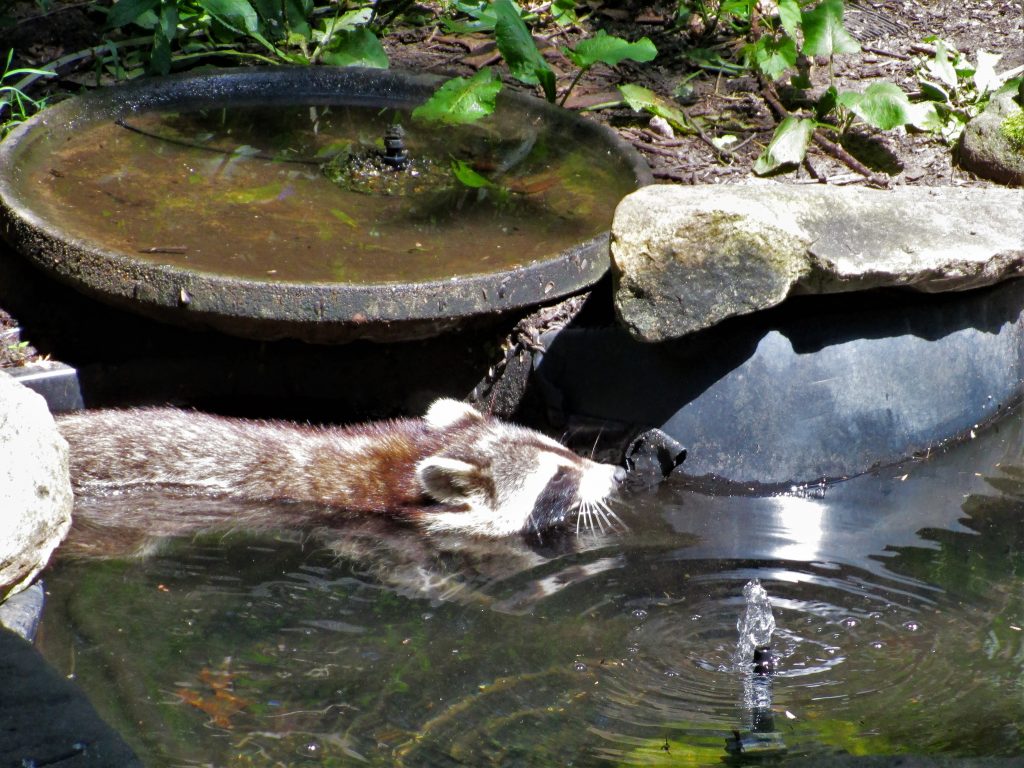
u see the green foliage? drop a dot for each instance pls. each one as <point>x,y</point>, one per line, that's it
<point>15,105</point>
<point>610,50</point>
<point>518,49</point>
<point>819,31</point>
<point>957,89</point>
<point>281,31</point>
<point>525,63</point>
<point>788,145</point>
<point>824,33</point>
<point>355,47</point>
<point>645,100</point>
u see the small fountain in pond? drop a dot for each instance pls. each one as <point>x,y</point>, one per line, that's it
<point>754,659</point>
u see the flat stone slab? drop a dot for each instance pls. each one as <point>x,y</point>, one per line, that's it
<point>687,257</point>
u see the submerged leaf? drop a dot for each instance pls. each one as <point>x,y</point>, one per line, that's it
<point>464,172</point>
<point>460,101</point>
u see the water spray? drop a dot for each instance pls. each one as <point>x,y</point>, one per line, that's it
<point>756,661</point>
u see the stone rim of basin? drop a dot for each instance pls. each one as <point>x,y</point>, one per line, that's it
<point>317,312</point>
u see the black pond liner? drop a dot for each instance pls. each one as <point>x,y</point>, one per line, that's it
<point>319,312</point>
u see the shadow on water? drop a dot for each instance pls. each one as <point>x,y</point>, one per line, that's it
<point>898,600</point>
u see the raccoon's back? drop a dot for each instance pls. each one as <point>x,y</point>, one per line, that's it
<point>171,447</point>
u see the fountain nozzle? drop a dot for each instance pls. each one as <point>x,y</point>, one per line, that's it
<point>395,154</point>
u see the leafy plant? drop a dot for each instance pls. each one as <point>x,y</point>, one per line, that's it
<point>606,49</point>
<point>957,88</point>
<point>525,62</point>
<point>15,105</point>
<point>819,31</point>
<point>642,99</point>
<point>287,31</point>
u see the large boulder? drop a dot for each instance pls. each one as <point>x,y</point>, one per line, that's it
<point>35,487</point>
<point>687,257</point>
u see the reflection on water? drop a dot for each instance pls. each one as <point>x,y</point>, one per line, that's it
<point>898,600</point>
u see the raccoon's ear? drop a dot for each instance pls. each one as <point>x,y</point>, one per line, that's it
<point>446,412</point>
<point>448,481</point>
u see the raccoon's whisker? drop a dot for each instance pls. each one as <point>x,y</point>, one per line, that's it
<point>595,515</point>
<point>616,519</point>
<point>582,517</point>
<point>606,514</point>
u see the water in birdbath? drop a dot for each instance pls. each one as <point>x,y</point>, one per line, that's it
<point>300,192</point>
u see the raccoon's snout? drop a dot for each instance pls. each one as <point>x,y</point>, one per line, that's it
<point>619,477</point>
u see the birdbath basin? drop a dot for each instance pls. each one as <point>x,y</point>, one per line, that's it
<point>249,201</point>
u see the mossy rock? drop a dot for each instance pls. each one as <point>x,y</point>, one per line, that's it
<point>987,149</point>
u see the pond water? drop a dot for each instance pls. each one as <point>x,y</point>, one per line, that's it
<point>898,599</point>
<point>254,192</point>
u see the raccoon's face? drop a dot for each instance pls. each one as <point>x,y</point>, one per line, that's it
<point>497,479</point>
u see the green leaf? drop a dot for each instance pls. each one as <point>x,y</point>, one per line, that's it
<point>127,11</point>
<point>826,103</point>
<point>237,15</point>
<point>882,105</point>
<point>297,14</point>
<point>772,57</point>
<point>563,12</point>
<point>468,177</point>
<point>645,100</point>
<point>460,101</point>
<point>940,67</point>
<point>160,54</point>
<point>168,20</point>
<point>985,77</point>
<point>933,91</point>
<point>824,33</point>
<point>518,49</point>
<point>788,145</point>
<point>355,48</point>
<point>925,117</point>
<point>790,17</point>
<point>610,50</point>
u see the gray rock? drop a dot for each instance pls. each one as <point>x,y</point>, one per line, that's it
<point>686,257</point>
<point>35,487</point>
<point>986,151</point>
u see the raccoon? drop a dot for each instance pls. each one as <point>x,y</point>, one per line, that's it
<point>453,471</point>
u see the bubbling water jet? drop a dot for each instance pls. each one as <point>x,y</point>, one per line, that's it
<point>756,663</point>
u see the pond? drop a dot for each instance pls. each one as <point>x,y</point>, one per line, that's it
<point>898,599</point>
